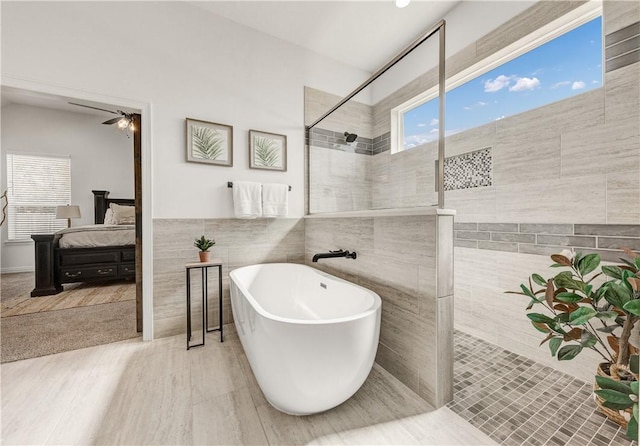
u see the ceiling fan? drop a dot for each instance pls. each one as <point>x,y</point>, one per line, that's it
<point>124,121</point>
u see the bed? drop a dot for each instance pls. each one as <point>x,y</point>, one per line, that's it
<point>86,254</point>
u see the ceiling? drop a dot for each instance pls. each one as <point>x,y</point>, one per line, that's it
<point>11,95</point>
<point>362,34</point>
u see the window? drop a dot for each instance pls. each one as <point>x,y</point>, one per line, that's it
<point>515,81</point>
<point>36,185</point>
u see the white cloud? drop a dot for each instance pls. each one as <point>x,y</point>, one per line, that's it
<point>525,83</point>
<point>561,84</point>
<point>434,121</point>
<point>578,85</point>
<point>499,118</point>
<point>422,124</point>
<point>595,82</point>
<point>482,104</point>
<point>467,107</point>
<point>497,84</point>
<point>432,131</point>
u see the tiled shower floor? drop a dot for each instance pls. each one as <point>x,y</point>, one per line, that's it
<point>517,401</point>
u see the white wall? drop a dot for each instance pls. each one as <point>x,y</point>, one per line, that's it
<point>187,63</point>
<point>101,159</point>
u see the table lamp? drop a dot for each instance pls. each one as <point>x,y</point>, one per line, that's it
<point>68,212</point>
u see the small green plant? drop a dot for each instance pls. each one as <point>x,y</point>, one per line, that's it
<point>203,243</point>
<point>579,314</point>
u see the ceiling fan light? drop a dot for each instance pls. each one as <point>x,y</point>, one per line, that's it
<point>123,123</point>
<point>402,3</point>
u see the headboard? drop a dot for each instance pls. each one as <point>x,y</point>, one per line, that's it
<point>101,204</point>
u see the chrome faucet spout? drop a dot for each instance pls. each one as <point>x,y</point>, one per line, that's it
<point>334,254</point>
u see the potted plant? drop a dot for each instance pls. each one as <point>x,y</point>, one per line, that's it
<point>578,314</point>
<point>203,244</point>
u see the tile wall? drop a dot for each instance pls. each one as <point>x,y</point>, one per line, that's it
<point>398,258</point>
<point>238,243</point>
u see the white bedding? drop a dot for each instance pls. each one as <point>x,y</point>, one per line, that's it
<point>91,236</point>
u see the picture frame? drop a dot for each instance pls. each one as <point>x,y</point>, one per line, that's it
<point>267,151</point>
<point>209,142</point>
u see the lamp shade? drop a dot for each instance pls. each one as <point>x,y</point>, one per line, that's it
<point>68,211</point>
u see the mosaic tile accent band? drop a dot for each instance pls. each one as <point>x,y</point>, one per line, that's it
<point>469,170</point>
<point>517,401</point>
<point>547,239</point>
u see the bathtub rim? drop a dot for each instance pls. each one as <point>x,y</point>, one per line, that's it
<point>375,307</point>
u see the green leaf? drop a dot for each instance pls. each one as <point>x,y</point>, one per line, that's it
<point>537,317</point>
<point>566,281</point>
<point>612,271</point>
<point>633,307</point>
<point>632,426</point>
<point>537,278</point>
<point>554,345</point>
<point>588,263</point>
<point>607,315</point>
<point>527,292</point>
<point>581,315</point>
<point>588,340</point>
<point>617,295</point>
<point>568,297</point>
<point>615,406</point>
<point>611,384</point>
<point>569,352</point>
<point>634,387</point>
<point>613,396</point>
<point>635,411</point>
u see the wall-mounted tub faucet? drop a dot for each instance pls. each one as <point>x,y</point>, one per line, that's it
<point>332,254</point>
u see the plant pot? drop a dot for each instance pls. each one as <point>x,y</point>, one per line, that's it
<point>204,256</point>
<point>620,417</point>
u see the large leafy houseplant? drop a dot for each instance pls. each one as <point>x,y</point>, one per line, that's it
<point>583,308</point>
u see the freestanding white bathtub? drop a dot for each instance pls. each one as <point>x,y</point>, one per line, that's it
<point>310,337</point>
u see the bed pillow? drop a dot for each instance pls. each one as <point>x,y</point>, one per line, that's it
<point>108,217</point>
<point>123,215</point>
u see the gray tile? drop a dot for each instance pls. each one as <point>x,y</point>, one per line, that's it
<point>498,227</point>
<point>465,226</point>
<point>608,230</point>
<point>618,243</point>
<point>622,34</point>
<point>498,246</point>
<point>622,61</point>
<point>567,240</point>
<point>465,243</point>
<point>513,237</point>
<point>470,235</point>
<point>543,228</point>
<point>622,47</point>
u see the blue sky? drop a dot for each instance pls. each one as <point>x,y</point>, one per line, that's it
<point>568,65</point>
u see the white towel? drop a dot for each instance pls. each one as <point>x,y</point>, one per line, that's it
<point>246,199</point>
<point>275,200</point>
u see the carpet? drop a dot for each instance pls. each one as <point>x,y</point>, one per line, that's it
<point>38,334</point>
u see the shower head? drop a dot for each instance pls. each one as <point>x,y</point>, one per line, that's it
<point>350,137</point>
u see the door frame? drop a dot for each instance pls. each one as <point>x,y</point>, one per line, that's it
<point>145,165</point>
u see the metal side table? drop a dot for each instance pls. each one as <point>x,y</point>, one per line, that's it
<point>204,268</point>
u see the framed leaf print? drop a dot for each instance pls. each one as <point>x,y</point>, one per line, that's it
<point>209,142</point>
<point>267,151</point>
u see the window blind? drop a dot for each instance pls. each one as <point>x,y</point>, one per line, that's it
<point>36,185</point>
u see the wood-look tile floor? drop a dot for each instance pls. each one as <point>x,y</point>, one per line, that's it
<point>134,392</point>
<point>15,289</point>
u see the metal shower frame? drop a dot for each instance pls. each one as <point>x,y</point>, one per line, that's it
<point>439,28</point>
